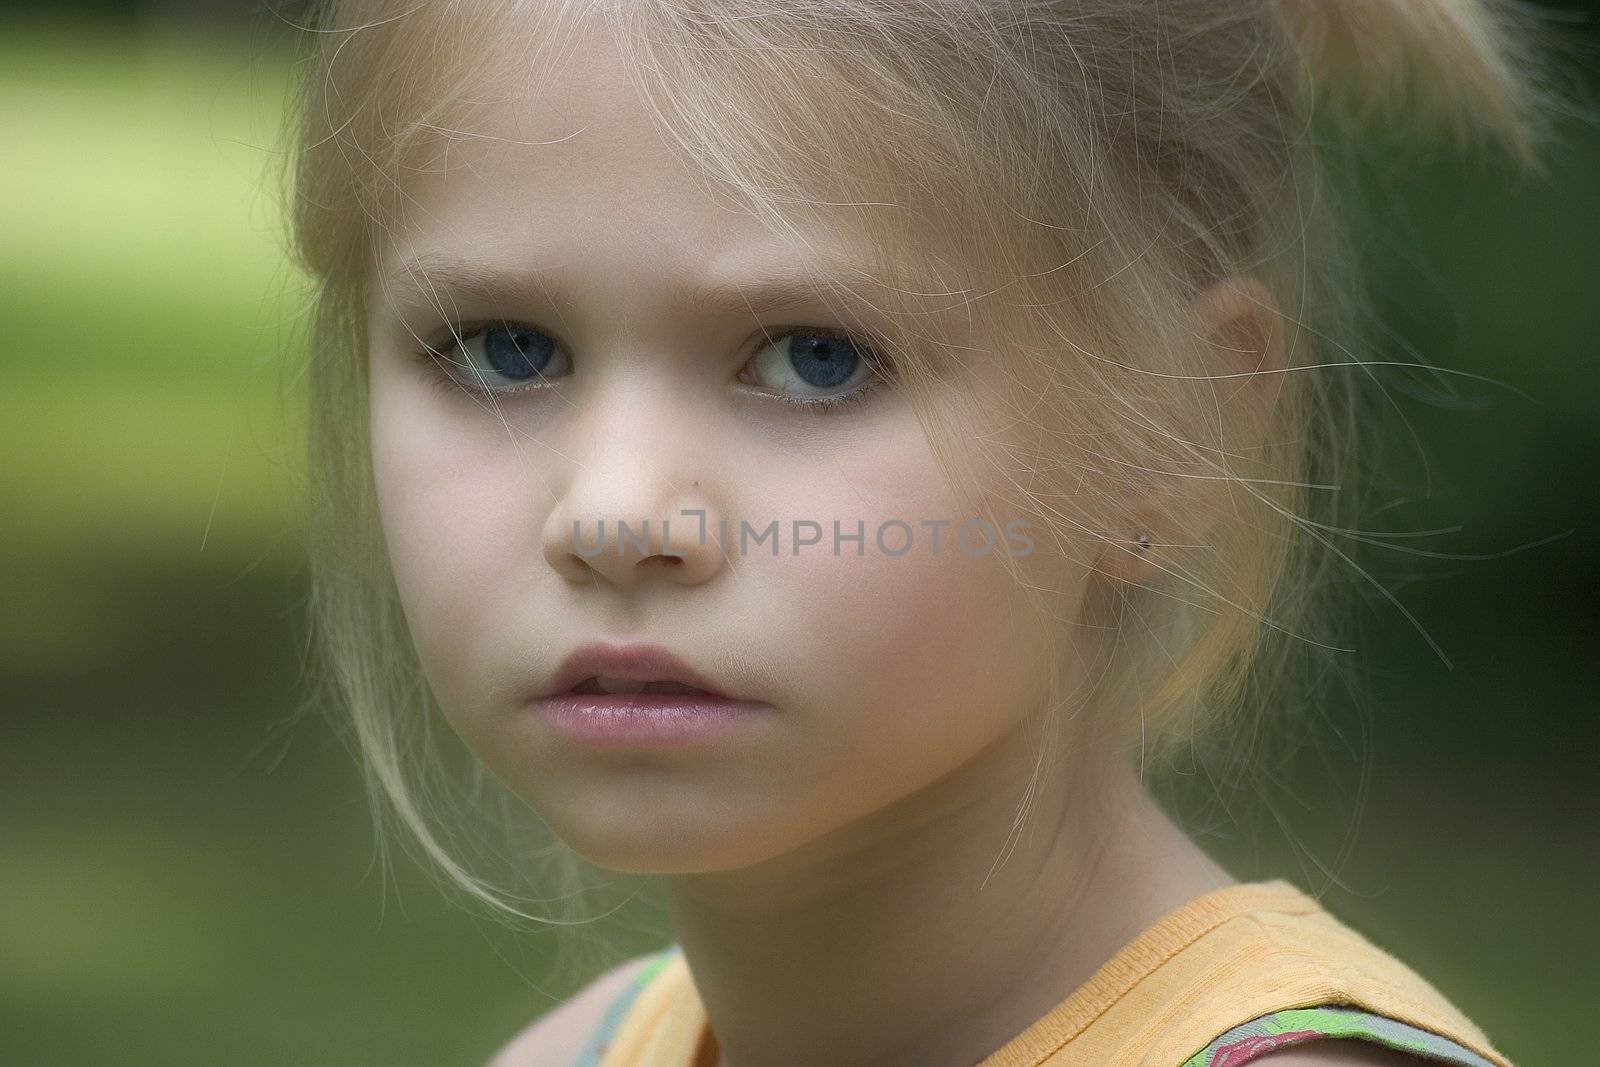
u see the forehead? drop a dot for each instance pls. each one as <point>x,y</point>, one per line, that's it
<point>559,163</point>
<point>554,180</point>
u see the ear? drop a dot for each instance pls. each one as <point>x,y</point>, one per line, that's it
<point>1243,331</point>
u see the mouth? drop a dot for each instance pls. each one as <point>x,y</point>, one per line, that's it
<point>610,711</point>
<point>606,669</point>
<point>604,684</point>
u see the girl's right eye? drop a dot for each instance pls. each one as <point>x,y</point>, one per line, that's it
<point>485,356</point>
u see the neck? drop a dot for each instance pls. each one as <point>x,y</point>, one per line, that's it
<point>937,929</point>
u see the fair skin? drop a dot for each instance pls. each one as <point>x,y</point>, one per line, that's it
<point>832,868</point>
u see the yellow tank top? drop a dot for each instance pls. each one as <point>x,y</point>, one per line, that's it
<point>1224,978</point>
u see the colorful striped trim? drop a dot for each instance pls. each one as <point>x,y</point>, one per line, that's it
<point>1238,1046</point>
<point>1293,1026</point>
<point>617,1010</point>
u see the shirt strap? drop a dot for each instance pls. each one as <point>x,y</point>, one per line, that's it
<point>1293,1026</point>
<point>617,1010</point>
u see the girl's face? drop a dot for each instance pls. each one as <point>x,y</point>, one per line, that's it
<point>620,280</point>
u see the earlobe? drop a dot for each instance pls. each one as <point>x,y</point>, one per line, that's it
<point>1129,558</point>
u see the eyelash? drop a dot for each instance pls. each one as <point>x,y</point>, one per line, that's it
<point>449,384</point>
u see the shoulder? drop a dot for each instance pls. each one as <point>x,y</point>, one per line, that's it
<point>1341,1052</point>
<point>557,1036</point>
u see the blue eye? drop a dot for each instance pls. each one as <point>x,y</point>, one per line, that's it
<point>516,351</point>
<point>812,365</point>
<point>510,353</point>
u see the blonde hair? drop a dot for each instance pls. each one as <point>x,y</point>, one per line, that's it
<point>1095,163</point>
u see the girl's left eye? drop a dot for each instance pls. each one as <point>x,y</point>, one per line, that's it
<point>818,368</point>
<point>814,367</point>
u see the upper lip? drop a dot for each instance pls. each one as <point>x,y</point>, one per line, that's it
<point>640,662</point>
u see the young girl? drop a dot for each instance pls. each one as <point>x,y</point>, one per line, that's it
<point>812,457</point>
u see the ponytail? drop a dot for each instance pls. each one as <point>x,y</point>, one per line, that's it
<point>1464,63</point>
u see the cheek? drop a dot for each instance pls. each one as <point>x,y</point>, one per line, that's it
<point>460,525</point>
<point>918,645</point>
<point>905,665</point>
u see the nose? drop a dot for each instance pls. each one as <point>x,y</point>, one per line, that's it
<point>628,511</point>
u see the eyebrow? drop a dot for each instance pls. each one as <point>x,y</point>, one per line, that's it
<point>426,280</point>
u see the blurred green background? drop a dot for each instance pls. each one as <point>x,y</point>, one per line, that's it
<point>188,873</point>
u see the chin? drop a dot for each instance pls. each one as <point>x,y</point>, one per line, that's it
<point>665,853</point>
<point>650,839</point>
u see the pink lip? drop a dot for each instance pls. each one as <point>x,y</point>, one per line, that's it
<point>613,720</point>
<point>639,719</point>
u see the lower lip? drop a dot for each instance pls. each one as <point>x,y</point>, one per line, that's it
<point>616,720</point>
